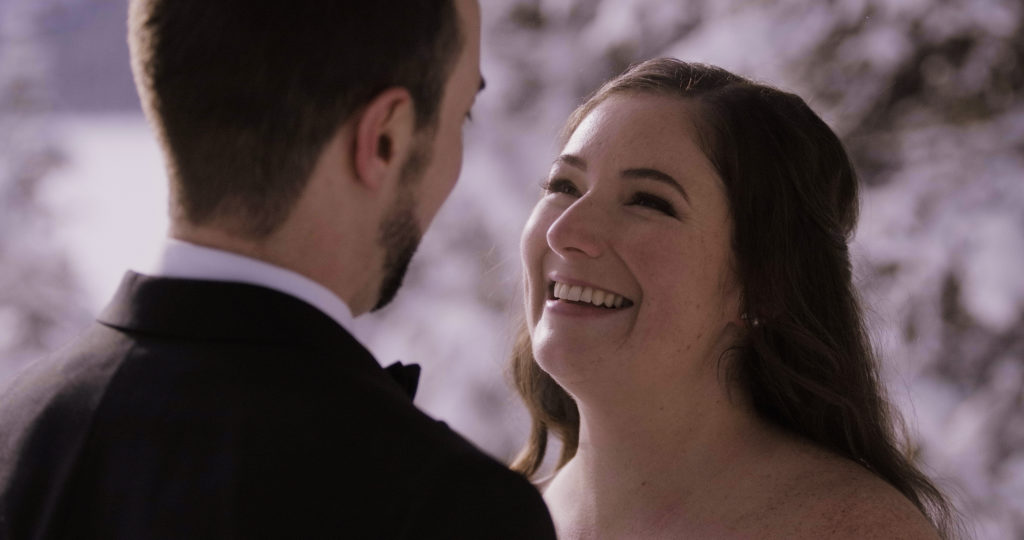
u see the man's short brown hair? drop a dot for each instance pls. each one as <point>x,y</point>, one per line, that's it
<point>244,94</point>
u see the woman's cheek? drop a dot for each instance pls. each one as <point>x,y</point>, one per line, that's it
<point>533,246</point>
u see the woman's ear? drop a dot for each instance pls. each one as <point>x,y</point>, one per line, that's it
<point>384,133</point>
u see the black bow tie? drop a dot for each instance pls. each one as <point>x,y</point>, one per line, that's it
<point>407,377</point>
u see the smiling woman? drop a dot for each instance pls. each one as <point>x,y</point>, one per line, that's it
<point>692,333</point>
<point>615,219</point>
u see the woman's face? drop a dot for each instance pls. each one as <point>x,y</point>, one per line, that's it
<point>634,218</point>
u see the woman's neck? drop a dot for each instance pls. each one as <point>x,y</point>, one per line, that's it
<point>650,466</point>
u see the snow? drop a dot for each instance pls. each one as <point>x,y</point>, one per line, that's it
<point>109,199</point>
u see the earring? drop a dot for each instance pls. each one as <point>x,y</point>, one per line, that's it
<point>752,321</point>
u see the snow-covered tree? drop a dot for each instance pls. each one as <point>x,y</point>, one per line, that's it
<point>39,299</point>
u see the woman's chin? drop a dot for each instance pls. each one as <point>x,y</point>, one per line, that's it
<point>569,363</point>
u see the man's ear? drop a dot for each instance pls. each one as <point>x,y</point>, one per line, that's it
<point>384,133</point>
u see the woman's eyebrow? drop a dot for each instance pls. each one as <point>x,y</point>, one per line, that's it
<point>572,161</point>
<point>657,176</point>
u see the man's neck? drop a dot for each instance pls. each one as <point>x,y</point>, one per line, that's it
<point>309,255</point>
<point>185,260</point>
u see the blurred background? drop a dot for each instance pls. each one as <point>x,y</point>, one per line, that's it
<point>927,94</point>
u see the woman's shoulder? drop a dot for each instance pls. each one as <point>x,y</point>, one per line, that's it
<point>828,496</point>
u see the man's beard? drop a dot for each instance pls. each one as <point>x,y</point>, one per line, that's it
<point>399,233</point>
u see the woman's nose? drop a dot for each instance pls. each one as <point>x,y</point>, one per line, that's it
<point>578,231</point>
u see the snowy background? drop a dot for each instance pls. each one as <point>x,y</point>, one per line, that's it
<point>927,94</point>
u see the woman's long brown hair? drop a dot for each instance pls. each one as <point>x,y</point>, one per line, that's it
<point>808,366</point>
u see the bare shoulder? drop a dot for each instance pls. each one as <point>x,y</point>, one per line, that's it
<point>836,498</point>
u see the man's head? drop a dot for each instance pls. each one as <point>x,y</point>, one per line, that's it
<point>428,174</point>
<point>253,102</point>
<point>245,94</point>
<point>400,232</point>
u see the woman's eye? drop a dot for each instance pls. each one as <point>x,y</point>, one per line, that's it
<point>560,185</point>
<point>654,203</point>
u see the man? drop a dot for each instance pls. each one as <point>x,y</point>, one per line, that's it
<point>308,143</point>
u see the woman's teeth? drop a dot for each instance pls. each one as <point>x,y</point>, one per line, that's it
<point>588,295</point>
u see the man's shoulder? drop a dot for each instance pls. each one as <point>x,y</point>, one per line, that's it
<point>386,453</point>
<point>46,413</point>
<point>253,429</point>
<point>70,380</point>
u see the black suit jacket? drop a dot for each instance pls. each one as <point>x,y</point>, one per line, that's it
<point>200,409</point>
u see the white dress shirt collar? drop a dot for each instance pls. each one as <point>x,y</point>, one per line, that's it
<point>184,260</point>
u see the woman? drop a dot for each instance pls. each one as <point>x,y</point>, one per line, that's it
<point>693,334</point>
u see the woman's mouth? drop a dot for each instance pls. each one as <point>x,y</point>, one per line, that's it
<point>583,295</point>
